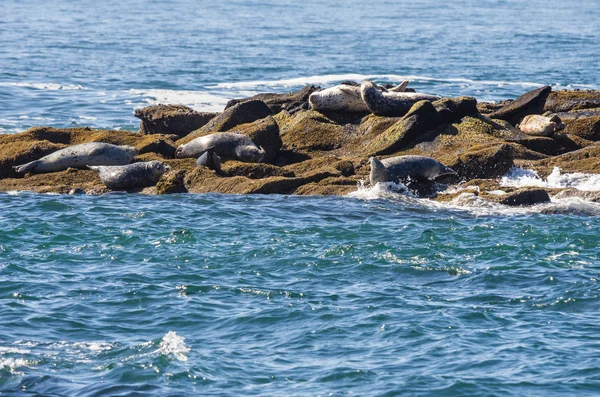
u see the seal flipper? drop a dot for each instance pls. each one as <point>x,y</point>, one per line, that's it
<point>96,151</point>
<point>400,87</point>
<point>29,167</point>
<point>350,91</point>
<point>210,159</point>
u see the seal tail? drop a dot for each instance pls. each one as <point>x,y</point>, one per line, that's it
<point>21,169</point>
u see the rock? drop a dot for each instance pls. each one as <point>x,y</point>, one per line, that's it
<point>568,100</point>
<point>419,119</point>
<point>452,109</point>
<point>160,145</point>
<point>593,196</point>
<point>492,162</point>
<point>264,133</point>
<point>488,108</point>
<point>531,102</point>
<point>254,170</point>
<point>241,113</point>
<point>542,144</point>
<point>171,182</point>
<point>521,197</point>
<point>291,101</point>
<point>171,119</point>
<point>311,130</point>
<point>586,160</point>
<point>584,127</point>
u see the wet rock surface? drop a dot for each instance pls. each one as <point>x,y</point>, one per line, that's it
<point>313,153</point>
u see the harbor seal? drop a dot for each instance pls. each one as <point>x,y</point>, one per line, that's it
<point>346,97</point>
<point>226,145</point>
<point>80,156</point>
<point>537,125</point>
<point>391,104</point>
<point>131,176</point>
<point>341,98</point>
<point>402,168</point>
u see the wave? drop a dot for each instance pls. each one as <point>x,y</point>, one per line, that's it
<point>44,86</point>
<point>337,78</point>
<point>199,100</point>
<point>518,177</point>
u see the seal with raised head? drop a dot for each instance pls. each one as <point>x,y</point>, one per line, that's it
<point>402,168</point>
<point>537,125</point>
<point>80,156</point>
<point>390,104</point>
<point>226,145</point>
<point>131,176</point>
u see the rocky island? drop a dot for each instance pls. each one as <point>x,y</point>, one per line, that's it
<point>311,152</point>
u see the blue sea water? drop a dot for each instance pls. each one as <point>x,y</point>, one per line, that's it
<point>373,294</point>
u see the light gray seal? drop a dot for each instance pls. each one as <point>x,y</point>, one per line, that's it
<point>346,98</point>
<point>538,125</point>
<point>131,176</point>
<point>80,156</point>
<point>391,104</point>
<point>226,145</point>
<point>402,168</point>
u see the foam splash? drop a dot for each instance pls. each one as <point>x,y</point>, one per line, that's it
<point>199,100</point>
<point>10,364</point>
<point>387,190</point>
<point>518,177</point>
<point>174,344</point>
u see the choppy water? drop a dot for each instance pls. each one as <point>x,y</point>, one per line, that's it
<point>373,294</point>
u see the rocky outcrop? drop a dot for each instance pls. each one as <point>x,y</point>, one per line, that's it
<point>569,100</point>
<point>308,152</point>
<point>171,119</point>
<point>531,102</point>
<point>241,113</point>
<point>291,101</point>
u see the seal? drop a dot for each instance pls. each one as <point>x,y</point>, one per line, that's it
<point>403,168</point>
<point>227,145</point>
<point>131,176</point>
<point>391,104</point>
<point>210,159</point>
<point>537,125</point>
<point>80,156</point>
<point>341,98</point>
<point>346,97</point>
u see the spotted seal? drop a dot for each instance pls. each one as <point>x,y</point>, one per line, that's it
<point>80,156</point>
<point>227,145</point>
<point>537,125</point>
<point>391,104</point>
<point>402,168</point>
<point>131,176</point>
<point>346,97</point>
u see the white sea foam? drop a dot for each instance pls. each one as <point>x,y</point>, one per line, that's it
<point>44,86</point>
<point>331,79</point>
<point>174,344</point>
<point>10,364</point>
<point>387,190</point>
<point>518,177</point>
<point>206,101</point>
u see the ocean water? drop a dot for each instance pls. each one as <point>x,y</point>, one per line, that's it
<point>375,293</point>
